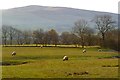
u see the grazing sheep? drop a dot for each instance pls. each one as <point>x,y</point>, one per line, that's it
<point>65,58</point>
<point>13,53</point>
<point>84,50</point>
<point>99,50</point>
<point>41,46</point>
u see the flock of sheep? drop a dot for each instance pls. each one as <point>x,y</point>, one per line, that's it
<point>64,58</point>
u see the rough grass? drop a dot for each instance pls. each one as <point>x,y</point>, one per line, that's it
<point>47,63</point>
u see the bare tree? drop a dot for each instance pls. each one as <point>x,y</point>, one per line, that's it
<point>65,38</point>
<point>89,36</point>
<point>19,37</point>
<point>104,23</point>
<point>79,29</point>
<point>27,37</point>
<point>112,40</point>
<point>12,33</point>
<point>69,38</point>
<point>74,39</point>
<point>38,36</point>
<point>53,35</point>
<point>46,38</point>
<point>4,34</point>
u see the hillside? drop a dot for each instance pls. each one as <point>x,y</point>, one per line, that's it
<point>59,18</point>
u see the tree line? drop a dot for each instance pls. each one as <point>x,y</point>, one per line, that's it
<point>81,34</point>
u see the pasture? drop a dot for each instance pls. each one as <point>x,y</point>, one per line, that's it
<point>46,62</point>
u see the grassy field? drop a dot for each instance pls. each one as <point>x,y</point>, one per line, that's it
<point>46,62</point>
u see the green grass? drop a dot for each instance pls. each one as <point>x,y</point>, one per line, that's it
<point>35,62</point>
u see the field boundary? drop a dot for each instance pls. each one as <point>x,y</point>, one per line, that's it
<point>60,46</point>
<point>60,79</point>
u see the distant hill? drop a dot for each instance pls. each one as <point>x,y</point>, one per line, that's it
<point>59,18</point>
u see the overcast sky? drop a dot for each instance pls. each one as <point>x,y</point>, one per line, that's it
<point>97,5</point>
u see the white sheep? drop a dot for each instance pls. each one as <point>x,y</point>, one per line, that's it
<point>41,46</point>
<point>13,53</point>
<point>99,50</point>
<point>84,50</point>
<point>65,58</point>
